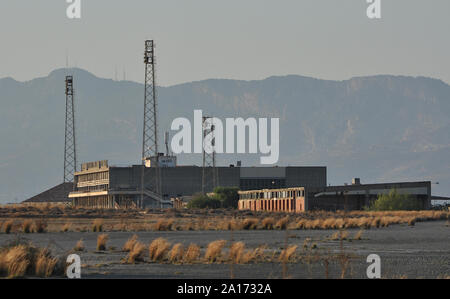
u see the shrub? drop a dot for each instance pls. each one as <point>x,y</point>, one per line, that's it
<point>201,201</point>
<point>268,223</point>
<point>236,252</point>
<point>228,196</point>
<point>192,253</point>
<point>176,253</point>
<point>128,246</point>
<point>27,226</point>
<point>79,246</point>
<point>158,249</point>
<point>97,225</point>
<point>395,201</point>
<point>40,226</point>
<point>101,242</point>
<point>214,250</point>
<point>8,226</point>
<point>287,253</point>
<point>136,253</point>
<point>282,223</point>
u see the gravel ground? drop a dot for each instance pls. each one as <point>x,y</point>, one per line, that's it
<point>421,251</point>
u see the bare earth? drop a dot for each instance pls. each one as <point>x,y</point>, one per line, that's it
<point>421,251</point>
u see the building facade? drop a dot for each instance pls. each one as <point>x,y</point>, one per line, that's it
<point>99,185</point>
<point>330,198</point>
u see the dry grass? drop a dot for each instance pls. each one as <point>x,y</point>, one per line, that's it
<point>97,225</point>
<point>164,225</point>
<point>7,226</point>
<point>339,235</point>
<point>66,227</point>
<point>128,246</point>
<point>158,249</point>
<point>40,226</point>
<point>176,253</point>
<point>214,250</point>
<point>136,254</point>
<point>79,246</point>
<point>26,260</point>
<point>192,253</point>
<point>287,253</point>
<point>358,235</point>
<point>101,242</point>
<point>250,223</point>
<point>236,252</point>
<point>27,226</point>
<point>45,264</point>
<point>268,223</point>
<point>282,223</point>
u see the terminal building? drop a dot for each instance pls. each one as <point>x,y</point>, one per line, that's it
<point>98,185</point>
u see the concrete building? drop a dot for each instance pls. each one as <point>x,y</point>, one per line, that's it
<point>98,185</point>
<point>348,197</point>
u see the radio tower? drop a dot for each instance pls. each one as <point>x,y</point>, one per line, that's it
<point>150,132</point>
<point>70,156</point>
<point>209,173</point>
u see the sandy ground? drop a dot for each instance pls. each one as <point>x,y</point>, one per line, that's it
<point>421,251</point>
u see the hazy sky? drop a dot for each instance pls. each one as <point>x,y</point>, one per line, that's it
<point>241,39</point>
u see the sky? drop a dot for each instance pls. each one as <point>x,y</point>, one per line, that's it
<point>235,39</point>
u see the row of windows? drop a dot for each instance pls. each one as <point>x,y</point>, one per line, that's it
<point>273,194</point>
<point>93,176</point>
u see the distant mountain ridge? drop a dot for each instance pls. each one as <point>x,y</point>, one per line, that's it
<point>379,128</point>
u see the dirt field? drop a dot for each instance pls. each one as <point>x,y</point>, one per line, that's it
<point>419,251</point>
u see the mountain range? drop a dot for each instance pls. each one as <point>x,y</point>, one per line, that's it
<point>380,128</point>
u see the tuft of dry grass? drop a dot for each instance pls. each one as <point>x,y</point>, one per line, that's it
<point>40,226</point>
<point>26,260</point>
<point>136,254</point>
<point>101,242</point>
<point>176,253</point>
<point>79,246</point>
<point>66,227</point>
<point>192,253</point>
<point>287,253</point>
<point>250,223</point>
<point>214,250</point>
<point>268,223</point>
<point>158,249</point>
<point>15,261</point>
<point>27,226</point>
<point>97,225</point>
<point>358,235</point>
<point>236,252</point>
<point>164,225</point>
<point>339,235</point>
<point>7,226</point>
<point>282,223</point>
<point>128,246</point>
<point>45,264</point>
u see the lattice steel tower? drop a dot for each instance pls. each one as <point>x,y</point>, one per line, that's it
<point>70,153</point>
<point>150,132</point>
<point>209,171</point>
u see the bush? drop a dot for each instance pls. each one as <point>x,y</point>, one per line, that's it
<point>395,201</point>
<point>228,196</point>
<point>201,201</point>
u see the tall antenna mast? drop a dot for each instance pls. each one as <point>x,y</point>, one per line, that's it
<point>209,171</point>
<point>150,132</point>
<point>70,156</point>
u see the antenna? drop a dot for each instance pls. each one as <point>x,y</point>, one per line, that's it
<point>209,171</point>
<point>150,131</point>
<point>70,157</point>
<point>166,141</point>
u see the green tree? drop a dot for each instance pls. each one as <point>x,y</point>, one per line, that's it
<point>201,201</point>
<point>394,201</point>
<point>228,196</point>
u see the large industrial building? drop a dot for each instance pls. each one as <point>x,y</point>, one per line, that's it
<point>99,185</point>
<point>332,198</point>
